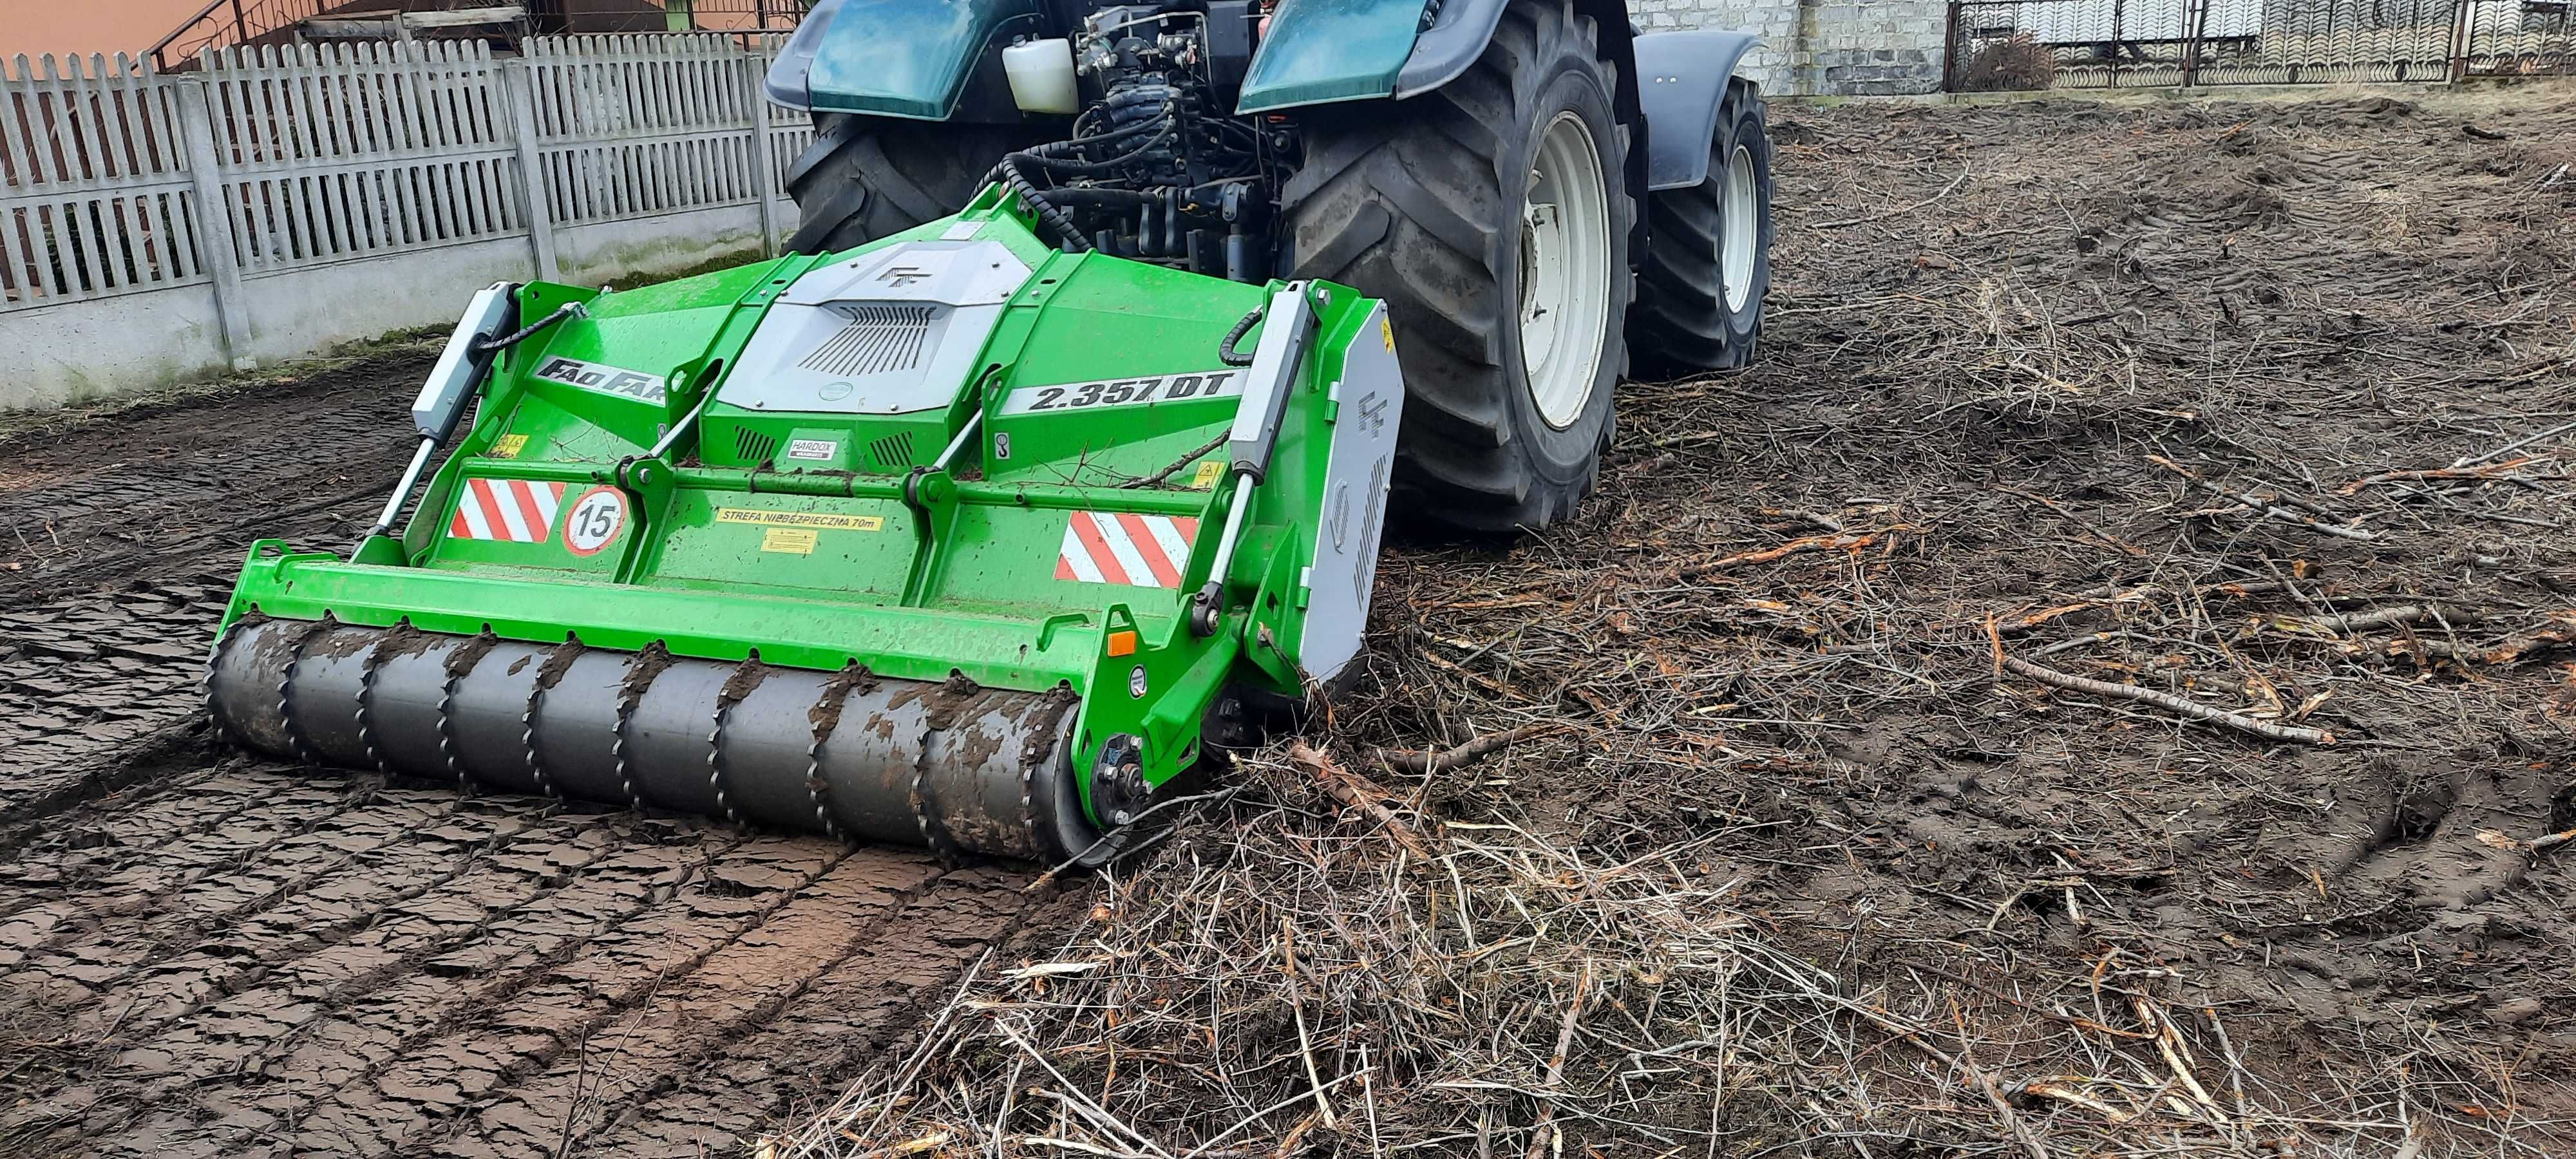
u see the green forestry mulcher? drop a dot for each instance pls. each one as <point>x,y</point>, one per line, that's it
<point>1066,432</point>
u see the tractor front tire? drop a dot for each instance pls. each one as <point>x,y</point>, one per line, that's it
<point>1493,217</point>
<point>867,177</point>
<point>1708,260</point>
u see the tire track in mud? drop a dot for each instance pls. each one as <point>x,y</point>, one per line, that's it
<point>121,861</point>
<point>637,898</point>
<point>447,1062</point>
<point>155,963</point>
<point>88,681</point>
<point>157,507</point>
<point>864,919</point>
<point>379,898</point>
<point>127,493</point>
<point>55,862</point>
<point>824,1036</point>
<point>84,677</point>
<point>207,954</point>
<point>291,1003</point>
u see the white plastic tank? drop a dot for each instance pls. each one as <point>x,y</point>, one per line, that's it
<point>1041,73</point>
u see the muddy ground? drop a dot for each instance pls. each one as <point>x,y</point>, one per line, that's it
<point>2019,357</point>
<point>204,954</point>
<point>2261,406</point>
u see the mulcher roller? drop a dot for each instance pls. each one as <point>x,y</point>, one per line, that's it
<point>951,766</point>
<point>954,540</point>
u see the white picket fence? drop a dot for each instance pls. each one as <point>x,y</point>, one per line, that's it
<point>280,200</point>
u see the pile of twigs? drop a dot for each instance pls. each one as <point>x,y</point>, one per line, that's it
<point>1291,974</point>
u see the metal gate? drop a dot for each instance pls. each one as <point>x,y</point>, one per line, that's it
<point>1998,45</point>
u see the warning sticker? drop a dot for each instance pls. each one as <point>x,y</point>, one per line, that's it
<point>596,519</point>
<point>819,520</point>
<point>1208,473</point>
<point>811,448</point>
<point>793,540</point>
<point>1110,392</point>
<point>509,446</point>
<point>505,510</point>
<point>1146,551</point>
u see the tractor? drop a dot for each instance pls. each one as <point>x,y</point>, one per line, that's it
<point>1055,454</point>
<point>1546,199</point>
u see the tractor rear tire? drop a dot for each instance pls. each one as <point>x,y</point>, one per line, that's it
<point>1708,257</point>
<point>1447,206</point>
<point>867,177</point>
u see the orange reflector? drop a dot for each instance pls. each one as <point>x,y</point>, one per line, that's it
<point>1122,643</point>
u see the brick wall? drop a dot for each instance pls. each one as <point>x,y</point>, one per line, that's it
<point>1823,47</point>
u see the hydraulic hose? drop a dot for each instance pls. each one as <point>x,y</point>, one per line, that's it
<point>1077,168</point>
<point>523,333</point>
<point>1068,234</point>
<point>1225,351</point>
<point>1094,196</point>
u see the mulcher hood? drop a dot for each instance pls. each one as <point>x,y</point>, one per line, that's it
<point>902,543</point>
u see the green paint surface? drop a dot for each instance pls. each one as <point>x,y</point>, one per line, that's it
<point>722,547</point>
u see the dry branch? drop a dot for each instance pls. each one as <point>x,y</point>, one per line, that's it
<point>1422,762</point>
<point>1927,202</point>
<point>2171,703</point>
<point>2397,614</point>
<point>1540,1133</point>
<point>2525,441</point>
<point>2266,507</point>
<point>2520,647</point>
<point>1345,787</point>
<point>1766,555</point>
<point>1985,1082</point>
<point>2489,471</point>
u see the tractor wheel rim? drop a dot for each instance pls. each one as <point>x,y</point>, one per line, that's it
<point>1741,236</point>
<point>1565,271</point>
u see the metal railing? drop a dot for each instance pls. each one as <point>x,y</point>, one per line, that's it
<point>552,16</point>
<point>225,24</point>
<point>2096,44</point>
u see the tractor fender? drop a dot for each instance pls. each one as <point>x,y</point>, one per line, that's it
<point>1455,39</point>
<point>1324,51</point>
<point>1328,51</point>
<point>1681,80</point>
<point>893,58</point>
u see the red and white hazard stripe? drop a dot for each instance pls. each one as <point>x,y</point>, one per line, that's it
<point>1147,551</point>
<point>510,510</point>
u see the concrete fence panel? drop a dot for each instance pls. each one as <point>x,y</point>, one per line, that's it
<point>280,200</point>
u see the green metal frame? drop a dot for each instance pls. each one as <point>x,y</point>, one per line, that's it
<point>917,575</point>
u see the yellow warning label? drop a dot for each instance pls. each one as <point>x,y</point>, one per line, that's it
<point>818,520</point>
<point>795,540</point>
<point>1209,473</point>
<point>1386,332</point>
<point>509,446</point>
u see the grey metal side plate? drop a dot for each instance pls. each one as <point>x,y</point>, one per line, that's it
<point>890,331</point>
